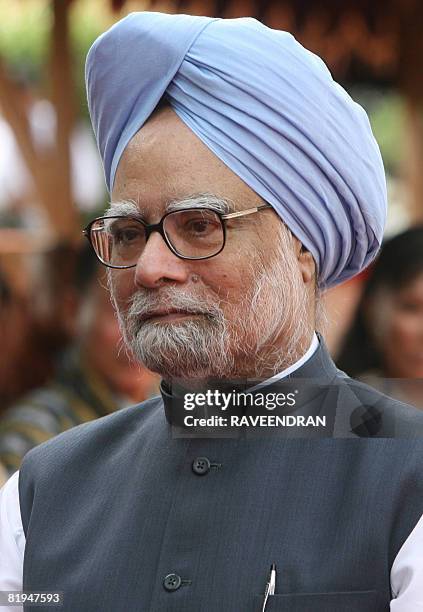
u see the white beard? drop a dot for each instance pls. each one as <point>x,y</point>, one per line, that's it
<point>261,334</point>
<point>196,347</point>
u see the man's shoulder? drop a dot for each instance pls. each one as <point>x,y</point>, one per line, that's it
<point>99,433</point>
<point>389,417</point>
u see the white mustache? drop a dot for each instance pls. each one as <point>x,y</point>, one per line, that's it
<point>141,305</point>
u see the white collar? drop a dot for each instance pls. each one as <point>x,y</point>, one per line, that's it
<point>311,350</point>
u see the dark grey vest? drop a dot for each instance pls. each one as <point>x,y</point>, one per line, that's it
<point>121,516</point>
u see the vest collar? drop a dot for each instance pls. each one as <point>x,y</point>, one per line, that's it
<point>319,367</point>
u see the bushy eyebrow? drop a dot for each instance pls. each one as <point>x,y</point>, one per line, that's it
<point>205,200</point>
<point>124,208</point>
<point>129,208</point>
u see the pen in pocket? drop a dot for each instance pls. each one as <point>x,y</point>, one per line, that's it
<point>270,586</point>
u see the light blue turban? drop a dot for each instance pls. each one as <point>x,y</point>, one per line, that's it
<point>267,107</point>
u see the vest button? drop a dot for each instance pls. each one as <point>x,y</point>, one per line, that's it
<point>172,582</point>
<point>201,466</point>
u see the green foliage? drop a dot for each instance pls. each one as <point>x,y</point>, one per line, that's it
<point>387,120</point>
<point>25,27</point>
<point>24,31</point>
<point>386,112</point>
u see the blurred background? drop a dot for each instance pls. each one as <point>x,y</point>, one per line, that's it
<point>51,181</point>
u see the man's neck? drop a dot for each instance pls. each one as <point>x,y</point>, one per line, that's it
<point>281,366</point>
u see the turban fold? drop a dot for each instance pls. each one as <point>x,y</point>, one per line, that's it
<point>266,106</point>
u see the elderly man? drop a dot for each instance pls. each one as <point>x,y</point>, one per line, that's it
<point>244,182</point>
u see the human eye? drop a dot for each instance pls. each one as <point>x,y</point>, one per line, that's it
<point>410,306</point>
<point>126,232</point>
<point>200,224</point>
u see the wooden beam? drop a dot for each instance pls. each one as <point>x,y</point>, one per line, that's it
<point>14,110</point>
<point>50,167</point>
<point>59,180</point>
<point>410,53</point>
<point>413,159</point>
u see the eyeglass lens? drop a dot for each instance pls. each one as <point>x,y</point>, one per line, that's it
<point>195,233</point>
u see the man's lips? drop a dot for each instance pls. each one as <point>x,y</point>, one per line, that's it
<point>168,315</point>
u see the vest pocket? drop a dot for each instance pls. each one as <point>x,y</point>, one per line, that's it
<point>345,601</point>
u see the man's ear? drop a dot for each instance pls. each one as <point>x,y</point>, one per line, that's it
<point>306,262</point>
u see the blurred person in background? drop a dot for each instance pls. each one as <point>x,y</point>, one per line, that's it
<point>35,321</point>
<point>14,328</point>
<point>10,346</point>
<point>384,346</point>
<point>11,319</point>
<point>93,377</point>
<point>54,300</point>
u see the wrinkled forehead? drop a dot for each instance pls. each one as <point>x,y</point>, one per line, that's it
<point>166,161</point>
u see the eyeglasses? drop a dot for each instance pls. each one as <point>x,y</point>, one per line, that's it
<point>190,233</point>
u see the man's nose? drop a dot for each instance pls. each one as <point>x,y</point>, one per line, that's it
<point>157,264</point>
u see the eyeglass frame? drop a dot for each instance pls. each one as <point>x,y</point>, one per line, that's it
<point>149,228</point>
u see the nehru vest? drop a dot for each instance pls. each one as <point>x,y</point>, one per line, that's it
<point>123,516</point>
